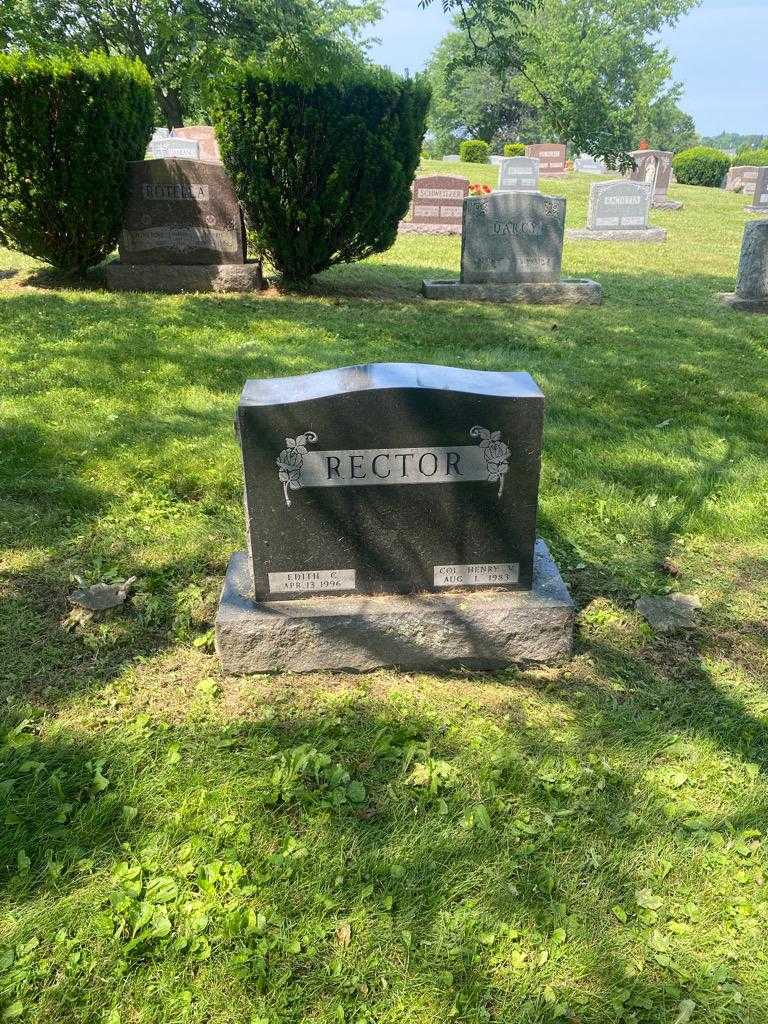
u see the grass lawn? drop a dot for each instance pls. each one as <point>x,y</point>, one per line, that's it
<point>586,843</point>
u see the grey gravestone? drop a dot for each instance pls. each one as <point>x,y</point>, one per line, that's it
<point>452,158</point>
<point>654,166</point>
<point>511,251</point>
<point>551,157</point>
<point>204,136</point>
<point>759,202</point>
<point>519,173</point>
<point>495,159</point>
<point>589,164</point>
<point>437,204</point>
<point>374,496</point>
<point>618,211</point>
<point>181,216</point>
<point>170,148</point>
<point>751,295</point>
<point>742,179</point>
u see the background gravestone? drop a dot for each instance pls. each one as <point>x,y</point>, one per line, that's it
<point>741,179</point>
<point>437,204</point>
<point>182,230</point>
<point>452,158</point>
<point>204,136</point>
<point>760,195</point>
<point>618,211</point>
<point>519,173</point>
<point>551,157</point>
<point>165,148</point>
<point>373,494</point>
<point>511,251</point>
<point>751,295</point>
<point>589,164</point>
<point>654,166</point>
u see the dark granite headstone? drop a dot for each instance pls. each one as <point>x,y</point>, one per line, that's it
<point>204,136</point>
<point>519,173</point>
<point>618,205</point>
<point>181,212</point>
<point>391,478</point>
<point>439,200</point>
<point>512,237</point>
<point>551,157</point>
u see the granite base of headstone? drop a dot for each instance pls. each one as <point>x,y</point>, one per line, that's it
<point>751,295</point>
<point>183,231</point>
<point>618,212</point>
<point>759,202</point>
<point>511,251</point>
<point>391,521</point>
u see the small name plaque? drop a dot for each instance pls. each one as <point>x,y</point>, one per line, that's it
<point>482,574</point>
<point>320,579</point>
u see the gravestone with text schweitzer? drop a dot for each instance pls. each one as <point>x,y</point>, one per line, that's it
<point>618,212</point>
<point>519,174</point>
<point>551,157</point>
<point>437,205</point>
<point>391,520</point>
<point>759,202</point>
<point>751,295</point>
<point>182,231</point>
<point>654,167</point>
<point>511,251</point>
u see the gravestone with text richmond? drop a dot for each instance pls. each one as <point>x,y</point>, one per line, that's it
<point>391,520</point>
<point>511,251</point>
<point>759,202</point>
<point>183,231</point>
<point>437,205</point>
<point>618,212</point>
<point>751,295</point>
<point>519,174</point>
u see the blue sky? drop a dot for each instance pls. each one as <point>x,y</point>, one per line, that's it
<point>721,49</point>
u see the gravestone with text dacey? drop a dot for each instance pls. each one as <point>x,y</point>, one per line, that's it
<point>751,295</point>
<point>391,519</point>
<point>759,202</point>
<point>551,157</point>
<point>654,167</point>
<point>437,204</point>
<point>618,212</point>
<point>182,231</point>
<point>511,251</point>
<point>519,174</point>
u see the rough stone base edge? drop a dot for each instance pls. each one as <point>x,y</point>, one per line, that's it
<point>476,629</point>
<point>407,227</point>
<point>174,278</point>
<point>757,209</point>
<point>644,235</point>
<point>741,304</point>
<point>565,292</point>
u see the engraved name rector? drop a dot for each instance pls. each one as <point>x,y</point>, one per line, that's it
<point>487,459</point>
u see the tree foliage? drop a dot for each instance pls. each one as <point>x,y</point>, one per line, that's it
<point>68,129</point>
<point>587,67</point>
<point>186,45</point>
<point>323,170</point>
